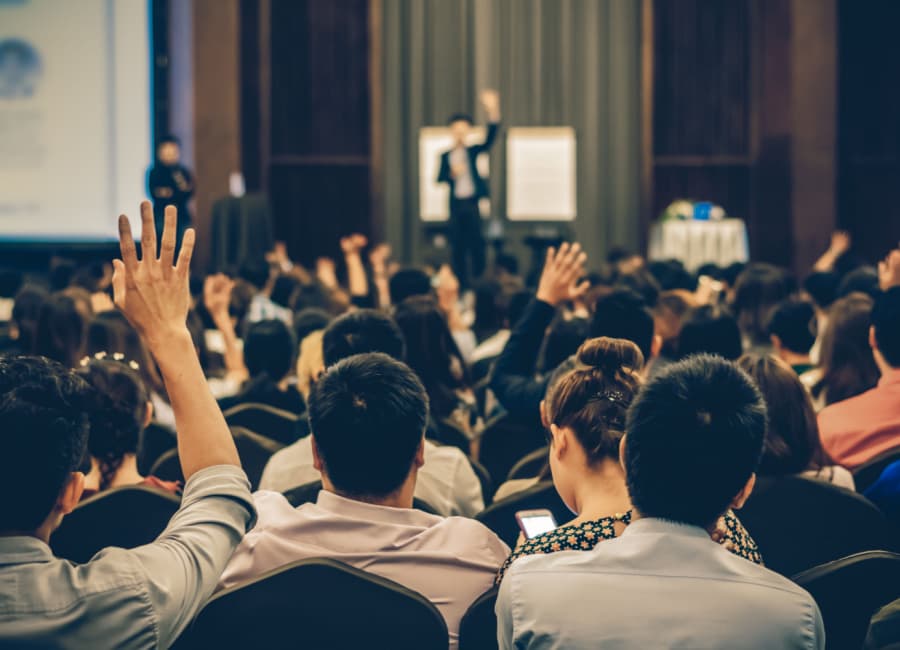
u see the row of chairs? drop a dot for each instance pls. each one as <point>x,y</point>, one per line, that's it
<point>321,603</point>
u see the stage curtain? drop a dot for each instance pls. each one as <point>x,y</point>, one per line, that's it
<point>555,62</point>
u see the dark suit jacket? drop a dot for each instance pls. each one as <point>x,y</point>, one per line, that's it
<point>481,187</point>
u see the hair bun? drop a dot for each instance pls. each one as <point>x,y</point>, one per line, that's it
<point>610,355</point>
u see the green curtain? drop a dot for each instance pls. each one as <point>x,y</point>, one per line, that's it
<point>555,62</point>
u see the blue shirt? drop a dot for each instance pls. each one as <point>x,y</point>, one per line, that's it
<point>659,585</point>
<point>139,598</point>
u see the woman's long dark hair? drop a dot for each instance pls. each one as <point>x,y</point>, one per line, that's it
<point>848,365</point>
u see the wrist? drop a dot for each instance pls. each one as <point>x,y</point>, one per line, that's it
<point>544,297</point>
<point>169,342</point>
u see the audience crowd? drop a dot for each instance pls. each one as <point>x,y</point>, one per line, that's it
<point>375,414</point>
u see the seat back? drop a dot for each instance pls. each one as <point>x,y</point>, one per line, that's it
<point>484,477</point>
<point>478,628</point>
<point>530,465</point>
<point>126,517</point>
<point>154,442</point>
<point>865,475</point>
<point>320,604</point>
<point>849,591</point>
<point>255,452</point>
<point>168,467</point>
<point>309,492</point>
<point>267,421</point>
<point>504,441</point>
<point>800,523</point>
<point>501,516</point>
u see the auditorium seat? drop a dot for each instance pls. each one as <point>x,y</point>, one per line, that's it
<point>168,467</point>
<point>278,425</point>
<point>484,477</point>
<point>800,523</point>
<point>865,475</point>
<point>501,516</point>
<point>849,591</point>
<point>321,604</point>
<point>126,517</point>
<point>155,440</point>
<point>309,492</point>
<point>478,628</point>
<point>504,441</point>
<point>530,465</point>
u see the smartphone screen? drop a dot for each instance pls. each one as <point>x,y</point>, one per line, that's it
<point>536,524</point>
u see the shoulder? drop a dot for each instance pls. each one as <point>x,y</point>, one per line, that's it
<point>293,453</point>
<point>476,534</point>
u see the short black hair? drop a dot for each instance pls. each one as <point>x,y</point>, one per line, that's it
<point>10,283</point>
<point>270,348</point>
<point>695,436</point>
<point>460,117</point>
<point>368,415</point>
<point>407,283</point>
<point>822,287</point>
<point>794,323</point>
<point>671,274</point>
<point>44,430</point>
<point>255,271</point>
<point>361,331</point>
<point>861,280</point>
<point>623,314</point>
<point>168,138</point>
<point>886,321</point>
<point>309,320</point>
<point>712,330</point>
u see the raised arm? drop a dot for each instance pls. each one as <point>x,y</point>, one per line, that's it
<point>217,299</point>
<point>490,99</point>
<point>154,295</point>
<point>357,280</point>
<point>840,244</point>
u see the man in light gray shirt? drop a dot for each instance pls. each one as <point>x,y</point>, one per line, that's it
<point>140,598</point>
<point>694,439</point>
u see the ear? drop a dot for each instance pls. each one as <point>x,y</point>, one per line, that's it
<point>741,498</point>
<point>655,347</point>
<point>148,416</point>
<point>317,459</point>
<point>776,343</point>
<point>419,459</point>
<point>873,342</point>
<point>70,494</point>
<point>560,441</point>
<point>622,450</point>
<point>544,420</point>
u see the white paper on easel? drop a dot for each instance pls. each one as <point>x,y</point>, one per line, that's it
<point>434,197</point>
<point>540,174</point>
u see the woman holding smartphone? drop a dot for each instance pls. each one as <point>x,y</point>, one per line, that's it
<point>584,412</point>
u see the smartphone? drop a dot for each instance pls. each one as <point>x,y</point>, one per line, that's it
<point>535,522</point>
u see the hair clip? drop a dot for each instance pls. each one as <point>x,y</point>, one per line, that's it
<point>115,356</point>
<point>615,396</point>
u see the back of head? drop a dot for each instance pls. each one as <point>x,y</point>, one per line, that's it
<point>861,280</point>
<point>671,309</point>
<point>255,272</point>
<point>563,339</point>
<point>794,323</point>
<point>44,429</point>
<point>642,282</point>
<point>368,415</point>
<point>792,442</point>
<point>270,349</point>
<point>310,320</point>
<point>623,314</point>
<point>110,333</point>
<point>758,289</point>
<point>284,289</point>
<point>886,322</point>
<point>592,398</point>
<point>822,287</point>
<point>407,283</point>
<point>695,436</point>
<point>361,331</point>
<point>26,312</point>
<point>61,330</point>
<point>671,275</point>
<point>846,358</point>
<point>10,283</point>
<point>118,412</point>
<point>712,330</point>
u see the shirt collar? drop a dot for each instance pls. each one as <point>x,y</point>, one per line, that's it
<point>890,378</point>
<point>23,550</point>
<point>656,526</point>
<point>354,509</point>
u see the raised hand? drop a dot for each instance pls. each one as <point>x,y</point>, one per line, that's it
<point>326,272</point>
<point>154,292</point>
<point>562,271</point>
<point>217,294</point>
<point>490,99</point>
<point>353,244</point>
<point>840,243</point>
<point>889,271</point>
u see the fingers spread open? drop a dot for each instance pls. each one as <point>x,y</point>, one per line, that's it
<point>187,251</point>
<point>148,232</point>
<point>118,282</point>
<point>126,244</point>
<point>167,249</point>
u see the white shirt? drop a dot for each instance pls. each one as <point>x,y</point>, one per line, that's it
<point>446,481</point>
<point>449,561</point>
<point>463,185</point>
<point>658,585</point>
<point>491,347</point>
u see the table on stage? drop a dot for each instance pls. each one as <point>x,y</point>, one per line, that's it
<point>695,243</point>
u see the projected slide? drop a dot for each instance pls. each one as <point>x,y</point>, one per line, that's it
<point>74,116</point>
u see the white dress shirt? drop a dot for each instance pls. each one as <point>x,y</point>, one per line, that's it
<point>658,585</point>
<point>450,561</point>
<point>464,185</point>
<point>446,481</point>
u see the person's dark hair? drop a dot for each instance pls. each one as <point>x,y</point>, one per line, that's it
<point>861,280</point>
<point>822,287</point>
<point>61,330</point>
<point>460,117</point>
<point>618,254</point>
<point>407,283</point>
<point>269,349</point>
<point>756,293</point>
<point>848,365</point>
<point>284,290</point>
<point>61,273</point>
<point>26,313</point>
<point>110,332</point>
<point>432,352</point>
<point>623,314</point>
<point>886,321</point>
<point>710,269</point>
<point>117,414</point>
<point>359,332</point>
<point>671,274</point>
<point>308,321</point>
<point>794,323</point>
<point>89,277</point>
<point>10,283</point>
<point>712,330</point>
<point>731,273</point>
<point>255,272</point>
<point>168,138</point>
<point>368,415</point>
<point>44,429</point>
<point>563,339</point>
<point>592,398</point>
<point>792,444</point>
<point>669,314</point>
<point>695,436</point>
<point>507,262</point>
<point>642,282</point>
